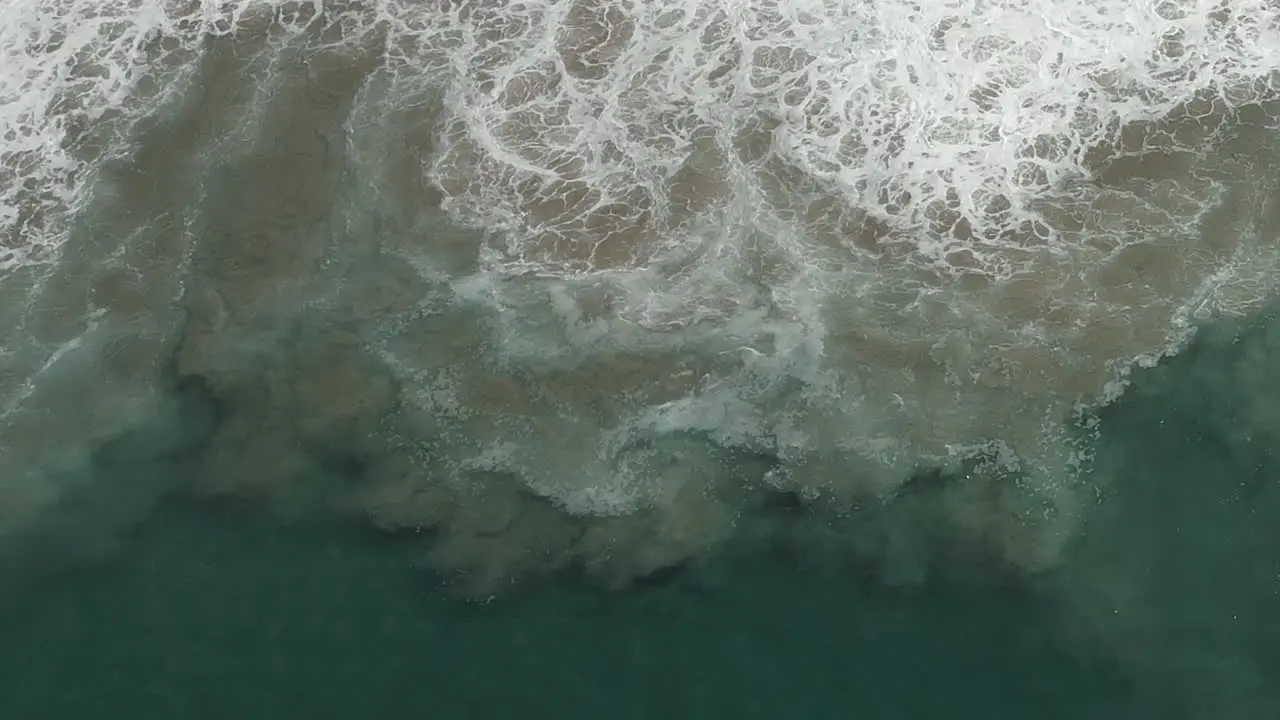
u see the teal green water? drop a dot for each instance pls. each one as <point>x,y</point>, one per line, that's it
<point>207,617</point>
<point>216,612</point>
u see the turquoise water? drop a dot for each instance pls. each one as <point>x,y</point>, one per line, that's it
<point>207,617</point>
<point>217,610</point>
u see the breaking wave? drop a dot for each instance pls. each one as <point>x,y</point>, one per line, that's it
<point>581,281</point>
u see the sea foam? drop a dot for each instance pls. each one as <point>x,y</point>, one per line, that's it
<point>629,261</point>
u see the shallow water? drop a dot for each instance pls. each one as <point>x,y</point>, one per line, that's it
<point>1169,607</point>
<point>653,296</point>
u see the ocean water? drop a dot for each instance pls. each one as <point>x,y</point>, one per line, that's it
<point>210,609</point>
<point>918,357</point>
<point>206,618</point>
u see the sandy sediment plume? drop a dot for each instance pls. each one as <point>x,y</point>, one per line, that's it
<point>419,290</point>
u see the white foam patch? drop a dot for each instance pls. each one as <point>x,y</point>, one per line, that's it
<point>599,132</point>
<point>596,131</point>
<point>592,129</point>
<point>953,224</point>
<point>75,73</point>
<point>860,236</point>
<point>66,66</point>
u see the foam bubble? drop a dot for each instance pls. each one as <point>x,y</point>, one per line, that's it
<point>860,239</point>
<point>77,74</point>
<point>595,129</point>
<point>896,235</point>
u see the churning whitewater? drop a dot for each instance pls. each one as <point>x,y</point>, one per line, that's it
<point>578,281</point>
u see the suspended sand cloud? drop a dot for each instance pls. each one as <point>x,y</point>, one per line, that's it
<point>578,282</point>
